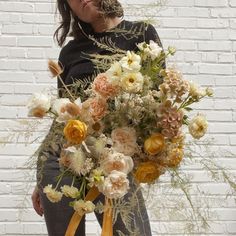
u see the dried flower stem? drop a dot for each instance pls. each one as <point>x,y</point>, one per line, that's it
<point>64,85</point>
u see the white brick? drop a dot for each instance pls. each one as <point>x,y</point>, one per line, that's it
<point>233,140</point>
<point>17,29</point>
<point>14,228</point>
<point>40,18</point>
<point>33,41</point>
<point>45,7</point>
<point>9,64</point>
<point>219,34</point>
<point>193,12</point>
<point>231,227</point>
<point>8,215</point>
<point>35,53</point>
<point>215,69</point>
<point>195,34</point>
<point>211,3</point>
<point>226,81</point>
<point>233,24</point>
<point>232,3</point>
<point>214,46</point>
<point>209,57</point>
<point>4,52</point>
<point>7,41</point>
<point>17,53</point>
<point>179,23</point>
<point>212,23</point>
<point>33,65</point>
<point>182,3</point>
<point>223,13</point>
<point>18,77</point>
<point>226,58</point>
<point>45,30</point>
<point>16,6</point>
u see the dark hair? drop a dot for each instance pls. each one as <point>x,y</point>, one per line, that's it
<point>70,22</point>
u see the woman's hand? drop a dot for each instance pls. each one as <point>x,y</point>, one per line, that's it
<point>36,201</point>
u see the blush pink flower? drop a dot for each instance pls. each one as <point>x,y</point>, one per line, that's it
<point>124,140</point>
<point>115,185</point>
<point>102,86</point>
<point>97,107</point>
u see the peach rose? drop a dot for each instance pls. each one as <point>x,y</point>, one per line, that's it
<point>117,161</point>
<point>124,140</point>
<point>115,185</point>
<point>98,108</point>
<point>102,86</point>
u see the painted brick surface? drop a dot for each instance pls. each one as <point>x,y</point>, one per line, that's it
<point>204,32</point>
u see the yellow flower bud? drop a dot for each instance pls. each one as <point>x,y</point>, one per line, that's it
<point>154,144</point>
<point>75,131</point>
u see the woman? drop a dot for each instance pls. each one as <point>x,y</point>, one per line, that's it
<point>90,23</point>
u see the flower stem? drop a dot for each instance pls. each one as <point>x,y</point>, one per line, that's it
<point>64,85</point>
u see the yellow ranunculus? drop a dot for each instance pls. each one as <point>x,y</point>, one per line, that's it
<point>154,144</point>
<point>147,172</point>
<point>75,131</point>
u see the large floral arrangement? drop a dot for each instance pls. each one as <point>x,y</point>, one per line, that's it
<point>130,121</point>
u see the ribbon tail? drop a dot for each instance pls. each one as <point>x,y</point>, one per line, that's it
<point>76,218</point>
<point>107,225</point>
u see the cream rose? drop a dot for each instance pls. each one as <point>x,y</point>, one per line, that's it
<point>115,185</point>
<point>198,126</point>
<point>117,161</point>
<point>124,140</point>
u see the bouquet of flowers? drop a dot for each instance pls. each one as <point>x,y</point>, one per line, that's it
<point>128,122</point>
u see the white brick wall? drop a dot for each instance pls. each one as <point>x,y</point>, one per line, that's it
<point>204,32</point>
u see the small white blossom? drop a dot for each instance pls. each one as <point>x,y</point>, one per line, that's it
<point>52,194</point>
<point>131,62</point>
<point>82,207</point>
<point>39,104</point>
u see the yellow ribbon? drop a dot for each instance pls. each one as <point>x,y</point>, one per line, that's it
<point>76,218</point>
<point>107,227</point>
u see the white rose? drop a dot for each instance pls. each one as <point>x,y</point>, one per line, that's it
<point>198,126</point>
<point>117,161</point>
<point>39,104</point>
<point>131,62</point>
<point>115,185</point>
<point>155,50</point>
<point>132,82</point>
<point>82,207</point>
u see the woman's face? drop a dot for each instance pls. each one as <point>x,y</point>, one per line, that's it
<point>86,10</point>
